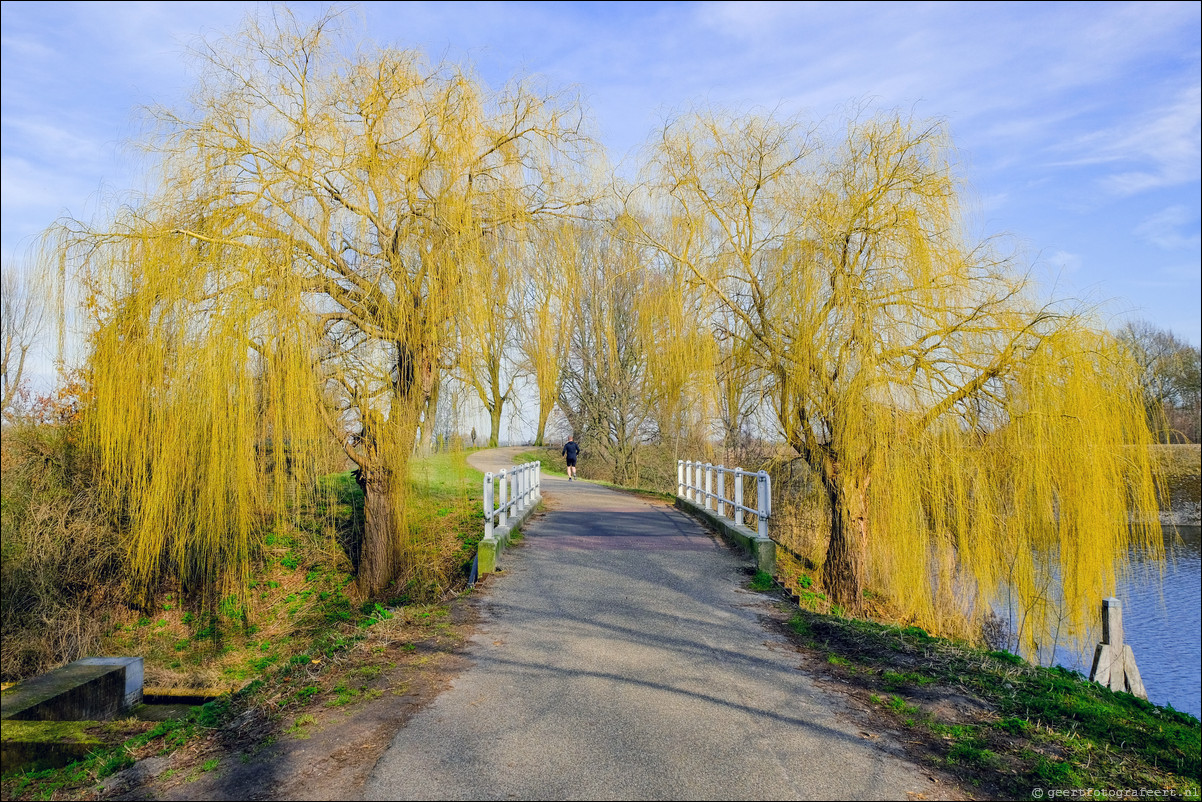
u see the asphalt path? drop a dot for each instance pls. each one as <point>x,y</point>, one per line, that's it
<point>621,657</point>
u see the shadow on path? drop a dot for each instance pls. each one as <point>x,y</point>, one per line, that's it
<point>621,657</point>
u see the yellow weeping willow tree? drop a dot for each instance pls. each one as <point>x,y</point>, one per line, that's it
<point>489,331</point>
<point>202,398</point>
<point>965,440</point>
<point>296,281</point>
<point>547,287</point>
<point>681,363</point>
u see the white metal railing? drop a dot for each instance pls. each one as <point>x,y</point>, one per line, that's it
<point>508,492</point>
<point>695,482</point>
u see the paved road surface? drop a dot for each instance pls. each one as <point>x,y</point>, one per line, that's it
<point>620,658</point>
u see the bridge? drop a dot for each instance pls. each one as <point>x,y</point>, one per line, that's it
<point>622,657</point>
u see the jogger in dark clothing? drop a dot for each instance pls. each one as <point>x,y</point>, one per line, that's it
<point>571,450</point>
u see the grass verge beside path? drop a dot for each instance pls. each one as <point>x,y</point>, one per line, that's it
<point>995,722</point>
<point>309,652</point>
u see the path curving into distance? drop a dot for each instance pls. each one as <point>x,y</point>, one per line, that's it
<point>620,657</point>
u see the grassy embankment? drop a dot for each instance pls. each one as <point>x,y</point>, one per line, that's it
<point>305,644</point>
<point>995,722</point>
<point>990,718</point>
<point>303,596</point>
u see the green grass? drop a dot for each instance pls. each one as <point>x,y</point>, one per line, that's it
<point>1036,726</point>
<point>762,581</point>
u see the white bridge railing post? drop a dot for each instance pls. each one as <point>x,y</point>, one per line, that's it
<point>520,490</point>
<point>738,496</point>
<point>488,505</point>
<point>721,505</point>
<point>503,507</point>
<point>690,486</point>
<point>695,482</point>
<point>764,504</point>
<point>709,486</point>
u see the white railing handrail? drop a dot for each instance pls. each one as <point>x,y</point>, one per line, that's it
<point>689,478</point>
<point>519,487</point>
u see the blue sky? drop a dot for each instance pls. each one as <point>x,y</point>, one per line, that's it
<point>1077,124</point>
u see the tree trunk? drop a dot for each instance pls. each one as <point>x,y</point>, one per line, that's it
<point>494,416</point>
<point>431,418</point>
<point>544,412</point>
<point>844,569</point>
<point>378,562</point>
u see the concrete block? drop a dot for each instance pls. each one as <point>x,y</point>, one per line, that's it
<point>133,675</point>
<point>487,551</point>
<point>91,689</point>
<point>765,555</point>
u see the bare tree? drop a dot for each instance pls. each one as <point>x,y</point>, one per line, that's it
<point>1171,378</point>
<point>22,322</point>
<point>605,392</point>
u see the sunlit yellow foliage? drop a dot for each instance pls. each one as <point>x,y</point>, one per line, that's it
<point>331,233</point>
<point>309,257</point>
<point>549,288</point>
<point>965,439</point>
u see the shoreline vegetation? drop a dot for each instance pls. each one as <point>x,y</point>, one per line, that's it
<point>309,663</point>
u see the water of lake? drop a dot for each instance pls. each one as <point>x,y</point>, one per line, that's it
<point>1164,629</point>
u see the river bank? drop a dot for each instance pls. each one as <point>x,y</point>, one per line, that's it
<point>1000,726</point>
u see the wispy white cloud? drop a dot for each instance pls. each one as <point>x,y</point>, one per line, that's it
<point>1157,148</point>
<point>1171,229</point>
<point>1065,263</point>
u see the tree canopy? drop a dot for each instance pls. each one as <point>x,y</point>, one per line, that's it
<point>336,236</point>
<point>962,437</point>
<point>322,224</point>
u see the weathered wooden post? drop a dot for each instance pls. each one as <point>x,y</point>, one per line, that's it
<point>1114,661</point>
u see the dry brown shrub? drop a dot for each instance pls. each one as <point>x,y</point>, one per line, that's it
<point>61,566</point>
